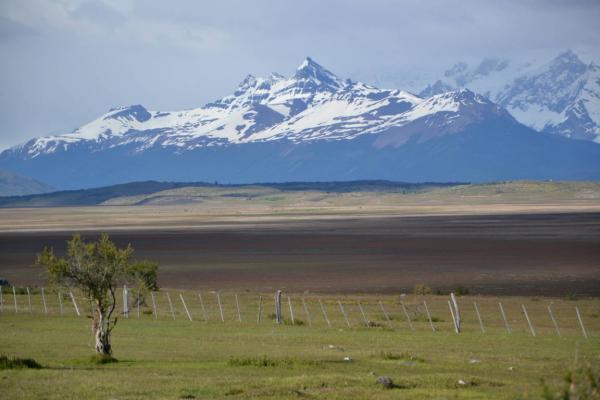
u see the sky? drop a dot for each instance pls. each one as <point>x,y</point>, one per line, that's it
<point>65,62</point>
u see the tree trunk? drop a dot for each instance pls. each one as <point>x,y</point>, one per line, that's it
<point>101,333</point>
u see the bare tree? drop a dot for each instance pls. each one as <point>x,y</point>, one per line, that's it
<point>97,269</point>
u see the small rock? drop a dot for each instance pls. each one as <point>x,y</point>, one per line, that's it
<point>511,368</point>
<point>474,361</point>
<point>462,383</point>
<point>372,373</point>
<point>386,382</point>
<point>347,358</point>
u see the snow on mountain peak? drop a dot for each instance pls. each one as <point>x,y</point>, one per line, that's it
<point>313,104</point>
<point>312,71</point>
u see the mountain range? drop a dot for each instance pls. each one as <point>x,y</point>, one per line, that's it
<point>311,126</point>
<point>559,96</point>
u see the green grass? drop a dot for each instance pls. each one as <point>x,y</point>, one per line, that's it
<point>173,359</point>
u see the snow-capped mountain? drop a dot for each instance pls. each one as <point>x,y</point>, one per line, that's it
<point>313,104</point>
<point>309,126</point>
<point>561,96</point>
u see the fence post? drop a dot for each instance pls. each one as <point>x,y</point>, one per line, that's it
<point>410,325</point>
<point>278,316</point>
<point>44,301</point>
<point>220,307</point>
<point>125,301</point>
<point>479,317</point>
<point>259,309</point>
<point>528,321</point>
<point>1,299</point>
<point>365,319</point>
<point>74,303</point>
<point>185,307</point>
<point>204,315</point>
<point>428,316</point>
<point>324,313</point>
<point>60,304</point>
<point>306,312</point>
<point>154,306</point>
<point>291,310</point>
<point>29,299</point>
<point>237,304</point>
<point>456,312</point>
<point>504,317</point>
<point>581,322</point>
<point>15,299</point>
<point>553,321</point>
<point>344,313</point>
<point>170,304</point>
<point>453,317</point>
<point>385,314</point>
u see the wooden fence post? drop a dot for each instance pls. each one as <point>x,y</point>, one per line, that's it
<point>364,316</point>
<point>170,304</point>
<point>125,301</point>
<point>479,317</point>
<point>306,312</point>
<point>204,315</point>
<point>344,313</point>
<point>504,317</point>
<point>15,299</point>
<point>429,316</point>
<point>456,312</point>
<point>237,304</point>
<point>585,335</point>
<point>553,321</point>
<point>44,301</point>
<point>259,309</point>
<point>60,304</point>
<point>528,321</point>
<point>410,325</point>
<point>324,313</point>
<point>278,315</point>
<point>74,303</point>
<point>29,299</point>
<point>385,314</point>
<point>291,310</point>
<point>154,311</point>
<point>185,307</point>
<point>453,317</point>
<point>220,307</point>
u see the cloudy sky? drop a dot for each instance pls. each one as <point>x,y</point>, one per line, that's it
<point>65,62</point>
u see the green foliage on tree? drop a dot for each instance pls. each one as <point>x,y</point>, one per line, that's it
<point>97,269</point>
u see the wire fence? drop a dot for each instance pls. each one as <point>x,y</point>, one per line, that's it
<point>434,313</point>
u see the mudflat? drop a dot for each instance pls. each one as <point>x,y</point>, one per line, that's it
<point>505,252</point>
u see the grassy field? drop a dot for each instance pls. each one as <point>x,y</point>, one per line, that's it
<point>177,359</point>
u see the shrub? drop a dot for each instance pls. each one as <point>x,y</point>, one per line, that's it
<point>461,291</point>
<point>103,359</point>
<point>421,290</point>
<point>7,362</point>
<point>582,383</point>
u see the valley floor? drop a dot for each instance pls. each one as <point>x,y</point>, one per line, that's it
<point>168,358</point>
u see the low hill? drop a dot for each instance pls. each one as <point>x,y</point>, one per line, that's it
<point>315,194</point>
<point>150,192</point>
<point>12,184</point>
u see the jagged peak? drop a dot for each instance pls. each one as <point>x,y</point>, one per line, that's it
<point>567,57</point>
<point>135,111</point>
<point>313,71</point>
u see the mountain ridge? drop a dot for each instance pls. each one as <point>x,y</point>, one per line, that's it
<point>310,126</point>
